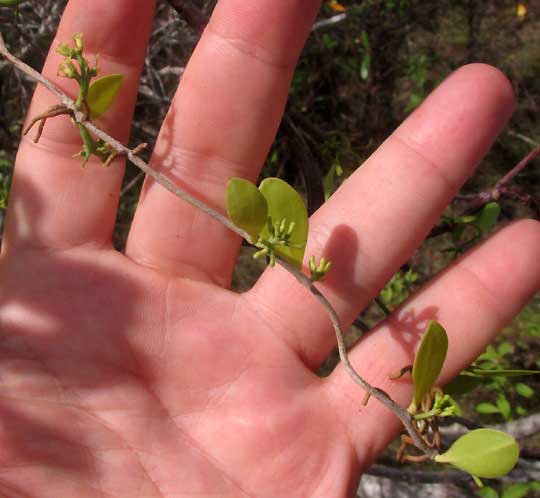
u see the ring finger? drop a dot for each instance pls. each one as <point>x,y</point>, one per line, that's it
<point>375,221</point>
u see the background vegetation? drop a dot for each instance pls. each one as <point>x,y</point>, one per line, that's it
<point>366,66</point>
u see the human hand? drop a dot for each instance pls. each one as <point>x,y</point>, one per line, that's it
<point>141,375</point>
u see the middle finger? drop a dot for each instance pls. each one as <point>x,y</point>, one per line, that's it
<point>221,124</point>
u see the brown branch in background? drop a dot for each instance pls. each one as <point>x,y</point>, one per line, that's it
<point>526,139</point>
<point>81,118</point>
<point>191,14</point>
<point>501,187</point>
<point>132,183</point>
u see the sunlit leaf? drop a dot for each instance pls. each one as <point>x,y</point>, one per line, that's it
<point>524,390</point>
<point>366,61</point>
<point>505,348</point>
<point>329,179</point>
<point>487,492</point>
<point>465,219</point>
<point>504,406</point>
<point>364,67</point>
<point>483,453</point>
<point>517,490</point>
<point>102,92</point>
<point>486,408</point>
<point>246,206</point>
<point>286,203</point>
<point>9,3</point>
<point>521,412</point>
<point>429,360</point>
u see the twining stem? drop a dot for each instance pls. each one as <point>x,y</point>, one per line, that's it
<point>377,393</point>
<point>81,119</point>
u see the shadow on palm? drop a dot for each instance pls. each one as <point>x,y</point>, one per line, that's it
<point>113,373</point>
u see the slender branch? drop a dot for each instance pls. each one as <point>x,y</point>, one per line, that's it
<point>131,183</point>
<point>526,139</point>
<point>377,393</point>
<point>517,168</point>
<point>500,188</point>
<point>81,119</point>
<point>25,68</point>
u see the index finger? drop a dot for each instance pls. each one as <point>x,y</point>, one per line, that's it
<point>65,204</point>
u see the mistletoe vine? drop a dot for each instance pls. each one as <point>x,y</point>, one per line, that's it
<point>273,218</point>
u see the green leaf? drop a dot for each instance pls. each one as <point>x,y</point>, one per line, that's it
<point>487,492</point>
<point>101,94</point>
<point>464,220</point>
<point>481,372</point>
<point>329,179</point>
<point>429,360</point>
<point>524,390</point>
<point>486,219</point>
<point>462,384</point>
<point>504,406</point>
<point>365,66</point>
<point>520,411</point>
<point>9,3</point>
<point>365,39</point>
<point>486,408</point>
<point>286,203</point>
<point>505,348</point>
<point>478,481</point>
<point>415,99</point>
<point>483,453</point>
<point>366,61</point>
<point>518,490</point>
<point>246,207</point>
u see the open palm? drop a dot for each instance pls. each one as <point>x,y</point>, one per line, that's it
<point>141,375</point>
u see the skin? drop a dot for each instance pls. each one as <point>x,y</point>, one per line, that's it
<point>140,374</point>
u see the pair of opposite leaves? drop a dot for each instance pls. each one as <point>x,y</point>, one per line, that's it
<point>250,208</point>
